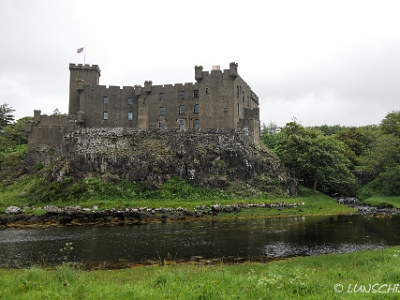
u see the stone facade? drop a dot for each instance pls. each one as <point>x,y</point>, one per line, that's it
<point>217,100</point>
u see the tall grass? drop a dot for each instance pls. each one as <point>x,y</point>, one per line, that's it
<point>299,278</point>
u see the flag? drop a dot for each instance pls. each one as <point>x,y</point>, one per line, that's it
<point>80,50</point>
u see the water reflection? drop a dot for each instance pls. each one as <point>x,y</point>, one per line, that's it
<point>255,239</point>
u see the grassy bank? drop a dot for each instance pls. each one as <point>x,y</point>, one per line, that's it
<point>379,200</point>
<point>299,278</point>
<point>33,192</point>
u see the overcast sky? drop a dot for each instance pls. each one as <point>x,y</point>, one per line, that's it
<point>320,62</point>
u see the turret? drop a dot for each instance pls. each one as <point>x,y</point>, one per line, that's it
<point>198,73</point>
<point>36,116</point>
<point>147,86</point>
<point>78,76</point>
<point>233,72</point>
<point>138,90</point>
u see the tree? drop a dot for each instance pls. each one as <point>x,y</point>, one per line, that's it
<point>318,160</point>
<point>6,116</point>
<point>391,123</point>
<point>56,112</point>
<point>270,135</point>
<point>14,134</point>
<point>329,130</point>
<point>384,153</point>
<point>354,140</point>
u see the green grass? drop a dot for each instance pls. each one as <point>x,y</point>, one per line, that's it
<point>299,278</point>
<point>34,192</point>
<point>381,200</point>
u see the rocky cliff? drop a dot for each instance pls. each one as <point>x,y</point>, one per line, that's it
<point>204,158</point>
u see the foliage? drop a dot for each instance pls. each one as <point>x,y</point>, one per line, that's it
<point>56,112</point>
<point>316,159</point>
<point>382,156</point>
<point>13,148</point>
<point>11,160</point>
<point>6,116</point>
<point>383,201</point>
<point>176,185</point>
<point>353,138</point>
<point>14,134</point>
<point>384,153</point>
<point>329,130</point>
<point>391,123</point>
<point>386,184</point>
<point>270,138</point>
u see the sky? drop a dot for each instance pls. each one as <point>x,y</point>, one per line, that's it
<point>316,62</point>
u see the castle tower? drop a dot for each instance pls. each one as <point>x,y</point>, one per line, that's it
<point>233,70</point>
<point>80,75</point>
<point>198,73</point>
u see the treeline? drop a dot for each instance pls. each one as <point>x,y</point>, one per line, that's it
<point>361,161</point>
<point>13,144</point>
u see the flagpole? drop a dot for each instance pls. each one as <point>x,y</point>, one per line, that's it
<point>84,55</point>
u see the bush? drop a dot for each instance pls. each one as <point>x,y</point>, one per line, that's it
<point>386,184</point>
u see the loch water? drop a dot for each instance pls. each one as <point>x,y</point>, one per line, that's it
<point>234,240</point>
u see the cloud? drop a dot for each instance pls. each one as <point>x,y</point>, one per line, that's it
<point>356,86</point>
<point>323,63</point>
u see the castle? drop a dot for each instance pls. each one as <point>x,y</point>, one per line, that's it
<point>217,100</point>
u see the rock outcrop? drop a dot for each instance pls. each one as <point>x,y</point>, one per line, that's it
<point>204,158</point>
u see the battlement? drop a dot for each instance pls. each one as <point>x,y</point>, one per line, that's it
<point>52,120</point>
<point>86,67</point>
<point>216,99</point>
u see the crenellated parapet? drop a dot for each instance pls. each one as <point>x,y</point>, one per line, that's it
<point>48,130</point>
<point>217,99</point>
<point>85,68</point>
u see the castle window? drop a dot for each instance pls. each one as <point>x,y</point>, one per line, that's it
<point>105,115</point>
<point>238,108</point>
<point>162,111</point>
<point>130,116</point>
<point>130,101</point>
<point>182,95</point>
<point>105,100</point>
<point>181,109</point>
<point>207,90</point>
<point>237,88</point>
<point>225,108</point>
<point>196,124</point>
<point>246,128</point>
<point>196,108</point>
<point>181,124</point>
<point>196,94</point>
<point>161,125</point>
<point>162,96</point>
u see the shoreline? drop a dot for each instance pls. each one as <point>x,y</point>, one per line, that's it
<point>77,216</point>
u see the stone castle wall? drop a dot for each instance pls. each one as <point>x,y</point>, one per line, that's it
<point>216,100</point>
